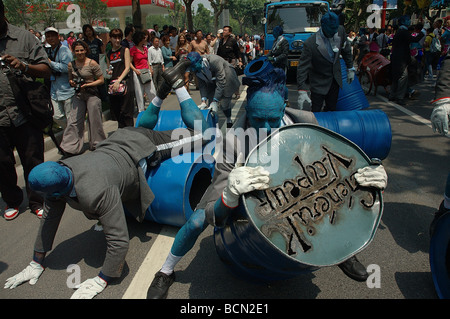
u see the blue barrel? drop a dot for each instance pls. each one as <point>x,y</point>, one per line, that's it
<point>369,129</point>
<point>351,96</point>
<point>312,215</point>
<point>171,119</point>
<point>178,185</point>
<point>179,182</point>
<point>440,256</point>
<point>259,67</point>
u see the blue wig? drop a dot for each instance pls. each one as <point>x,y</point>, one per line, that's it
<point>194,57</point>
<point>51,178</point>
<point>272,82</point>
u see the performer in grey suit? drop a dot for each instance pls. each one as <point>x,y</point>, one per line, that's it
<point>265,110</point>
<point>217,81</point>
<point>320,62</point>
<point>101,182</point>
<point>278,55</point>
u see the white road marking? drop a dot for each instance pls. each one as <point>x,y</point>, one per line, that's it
<point>406,111</point>
<point>151,264</point>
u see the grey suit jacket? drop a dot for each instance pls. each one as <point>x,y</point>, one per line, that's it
<point>104,182</point>
<point>230,151</point>
<point>316,63</point>
<point>222,81</point>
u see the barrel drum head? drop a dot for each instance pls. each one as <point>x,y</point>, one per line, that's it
<point>314,211</point>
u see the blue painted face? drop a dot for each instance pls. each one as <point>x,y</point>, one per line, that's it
<point>197,67</point>
<point>277,31</point>
<point>265,111</point>
<point>329,24</point>
<point>196,61</point>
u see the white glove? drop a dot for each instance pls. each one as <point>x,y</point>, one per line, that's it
<point>214,106</point>
<point>203,105</point>
<point>31,274</point>
<point>440,116</point>
<point>89,288</point>
<point>243,179</point>
<point>302,98</point>
<point>350,75</point>
<point>372,176</point>
<point>98,226</point>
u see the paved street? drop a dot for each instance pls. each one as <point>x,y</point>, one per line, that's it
<point>417,167</point>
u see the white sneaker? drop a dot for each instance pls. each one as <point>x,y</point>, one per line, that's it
<point>11,213</point>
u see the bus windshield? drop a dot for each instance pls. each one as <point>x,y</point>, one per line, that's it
<point>296,18</point>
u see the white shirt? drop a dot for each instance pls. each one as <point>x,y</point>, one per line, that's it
<point>155,55</point>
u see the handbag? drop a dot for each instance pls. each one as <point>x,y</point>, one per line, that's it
<point>145,76</point>
<point>120,91</point>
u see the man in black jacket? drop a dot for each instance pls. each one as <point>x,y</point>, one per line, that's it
<point>401,58</point>
<point>228,47</point>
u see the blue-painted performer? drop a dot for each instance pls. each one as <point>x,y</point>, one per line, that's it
<point>320,62</point>
<point>217,82</point>
<point>265,110</point>
<point>440,118</point>
<point>278,54</point>
<point>101,182</point>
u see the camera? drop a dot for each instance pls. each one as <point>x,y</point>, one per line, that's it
<point>79,82</point>
<point>2,63</point>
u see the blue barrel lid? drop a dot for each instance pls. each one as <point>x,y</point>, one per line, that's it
<point>314,211</point>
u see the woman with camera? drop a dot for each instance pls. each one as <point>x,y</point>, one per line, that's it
<point>121,87</point>
<point>85,76</point>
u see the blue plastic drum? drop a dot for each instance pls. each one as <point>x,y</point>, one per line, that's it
<point>259,67</point>
<point>171,119</point>
<point>440,256</point>
<point>351,96</point>
<point>313,214</point>
<point>178,185</point>
<point>369,129</point>
<point>179,182</point>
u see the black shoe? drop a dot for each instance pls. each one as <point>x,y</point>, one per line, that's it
<point>160,286</point>
<point>163,90</point>
<point>354,269</point>
<point>175,76</point>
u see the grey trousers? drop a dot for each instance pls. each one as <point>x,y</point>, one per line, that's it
<point>73,138</point>
<point>157,75</point>
<point>399,86</point>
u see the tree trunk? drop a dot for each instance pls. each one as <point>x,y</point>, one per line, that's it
<point>190,23</point>
<point>137,15</point>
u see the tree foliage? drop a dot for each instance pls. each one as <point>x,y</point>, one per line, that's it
<point>30,14</point>
<point>43,13</point>
<point>92,10</point>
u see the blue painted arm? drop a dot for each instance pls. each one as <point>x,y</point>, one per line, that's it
<point>190,113</point>
<point>150,117</point>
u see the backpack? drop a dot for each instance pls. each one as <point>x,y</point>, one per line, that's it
<point>435,45</point>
